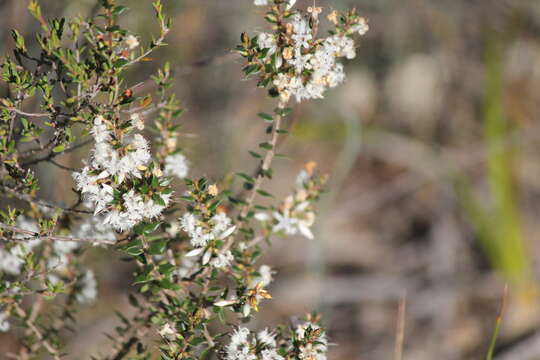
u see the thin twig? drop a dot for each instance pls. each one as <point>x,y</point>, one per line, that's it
<point>41,202</point>
<point>32,235</point>
<point>54,154</point>
<point>52,351</point>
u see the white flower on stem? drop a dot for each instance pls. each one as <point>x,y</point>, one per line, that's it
<point>222,260</point>
<point>240,347</point>
<point>264,278</point>
<point>137,121</point>
<point>285,223</point>
<point>131,41</point>
<point>266,338</point>
<point>271,354</point>
<point>167,331</point>
<point>267,41</point>
<point>361,27</point>
<point>176,165</point>
<point>301,31</point>
<point>316,350</point>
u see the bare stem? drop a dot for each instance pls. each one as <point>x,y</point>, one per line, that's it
<point>32,235</point>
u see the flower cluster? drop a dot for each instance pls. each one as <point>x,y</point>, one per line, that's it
<point>306,341</point>
<point>244,346</point>
<point>293,60</point>
<point>312,340</point>
<point>296,215</point>
<point>218,227</point>
<point>108,180</point>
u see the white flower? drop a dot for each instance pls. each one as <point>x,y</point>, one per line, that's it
<point>290,4</point>
<point>132,42</point>
<point>266,338</point>
<point>167,331</point>
<point>267,41</point>
<point>261,2</point>
<point>176,165</point>
<point>4,323</point>
<point>94,228</point>
<point>302,178</point>
<point>88,288</point>
<point>361,27</point>
<point>221,222</point>
<point>220,228</point>
<point>113,168</point>
<point>185,267</point>
<point>285,223</point>
<point>137,121</point>
<point>312,351</point>
<point>265,277</point>
<point>271,354</point>
<point>240,348</point>
<point>302,31</point>
<point>65,247</point>
<point>222,260</point>
<point>262,216</point>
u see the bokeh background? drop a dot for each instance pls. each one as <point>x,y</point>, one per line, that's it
<point>433,147</point>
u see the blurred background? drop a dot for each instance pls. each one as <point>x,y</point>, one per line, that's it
<point>432,145</point>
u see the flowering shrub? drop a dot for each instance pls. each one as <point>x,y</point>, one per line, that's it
<point>197,264</point>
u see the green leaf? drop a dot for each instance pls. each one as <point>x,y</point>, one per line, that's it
<point>158,247</point>
<point>246,177</point>
<point>166,269</point>
<point>266,146</point>
<point>168,284</point>
<point>264,193</point>
<point>265,117</point>
<point>58,148</point>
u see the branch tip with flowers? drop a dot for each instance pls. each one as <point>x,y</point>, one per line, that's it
<point>197,270</point>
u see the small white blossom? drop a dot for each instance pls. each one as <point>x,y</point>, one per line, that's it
<point>240,348</point>
<point>167,331</point>
<point>132,42</point>
<point>222,260</point>
<point>265,277</point>
<point>361,27</point>
<point>88,288</point>
<point>4,323</point>
<point>261,2</point>
<point>94,228</point>
<point>271,354</point>
<point>137,121</point>
<point>312,351</point>
<point>176,165</point>
<point>267,41</point>
<point>267,338</point>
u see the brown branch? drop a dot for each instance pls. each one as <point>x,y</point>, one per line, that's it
<point>29,322</point>
<point>48,204</point>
